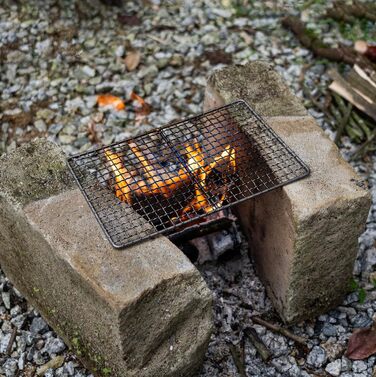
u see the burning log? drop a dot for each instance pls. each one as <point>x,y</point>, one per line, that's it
<point>122,188</point>
<point>126,186</point>
<point>160,182</point>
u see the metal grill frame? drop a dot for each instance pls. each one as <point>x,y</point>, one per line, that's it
<point>169,231</point>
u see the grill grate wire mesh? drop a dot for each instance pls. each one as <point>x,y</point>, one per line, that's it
<point>175,175</point>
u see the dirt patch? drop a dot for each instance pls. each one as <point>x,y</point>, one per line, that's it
<point>4,50</point>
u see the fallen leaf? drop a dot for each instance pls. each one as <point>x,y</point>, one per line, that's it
<point>132,60</point>
<point>145,108</point>
<point>362,343</point>
<point>129,19</point>
<point>110,100</point>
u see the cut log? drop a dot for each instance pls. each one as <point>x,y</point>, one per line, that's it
<point>362,86</point>
<point>371,79</point>
<point>345,90</point>
<point>366,49</point>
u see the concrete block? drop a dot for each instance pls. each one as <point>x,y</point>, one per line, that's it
<point>303,237</point>
<point>139,311</point>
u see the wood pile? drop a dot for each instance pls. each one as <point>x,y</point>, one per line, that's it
<point>350,104</point>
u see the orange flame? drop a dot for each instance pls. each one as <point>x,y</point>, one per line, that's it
<point>152,182</point>
<point>122,189</point>
<point>196,159</point>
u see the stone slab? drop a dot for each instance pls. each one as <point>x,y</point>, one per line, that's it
<point>259,85</point>
<point>139,311</point>
<point>303,237</point>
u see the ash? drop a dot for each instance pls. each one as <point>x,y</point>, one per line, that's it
<point>238,294</point>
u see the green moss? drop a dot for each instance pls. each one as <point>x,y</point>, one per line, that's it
<point>76,344</point>
<point>106,371</point>
<point>362,294</point>
<point>43,172</point>
<point>353,285</point>
<point>98,362</point>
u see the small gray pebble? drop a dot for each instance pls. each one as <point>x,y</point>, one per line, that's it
<point>54,346</point>
<point>317,357</point>
<point>38,326</point>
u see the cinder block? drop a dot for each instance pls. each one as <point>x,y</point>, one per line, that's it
<point>139,311</point>
<point>303,237</point>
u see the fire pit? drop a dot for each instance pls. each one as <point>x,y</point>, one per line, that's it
<point>175,176</point>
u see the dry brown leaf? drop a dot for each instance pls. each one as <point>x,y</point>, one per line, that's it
<point>362,343</point>
<point>145,108</point>
<point>132,60</point>
<point>110,100</point>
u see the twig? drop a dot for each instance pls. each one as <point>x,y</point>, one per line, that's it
<point>280,330</point>
<point>341,127</point>
<point>11,341</point>
<point>338,54</point>
<point>363,147</point>
<point>156,39</point>
<point>316,102</point>
<point>305,68</point>
<point>238,359</point>
<point>258,343</point>
<point>361,123</point>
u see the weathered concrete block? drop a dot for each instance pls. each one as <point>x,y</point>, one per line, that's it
<point>139,311</point>
<point>303,237</point>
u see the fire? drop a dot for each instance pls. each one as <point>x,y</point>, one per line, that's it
<point>122,189</point>
<point>148,180</point>
<point>196,159</point>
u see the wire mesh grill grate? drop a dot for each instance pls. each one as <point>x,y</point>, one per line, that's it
<point>175,175</point>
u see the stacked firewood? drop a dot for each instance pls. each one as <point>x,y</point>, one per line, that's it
<point>350,105</point>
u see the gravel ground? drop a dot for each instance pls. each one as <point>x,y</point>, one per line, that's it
<point>56,56</point>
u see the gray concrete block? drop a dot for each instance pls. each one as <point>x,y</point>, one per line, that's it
<point>302,237</point>
<point>139,311</point>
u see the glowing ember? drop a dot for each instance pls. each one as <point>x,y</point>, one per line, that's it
<point>149,180</point>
